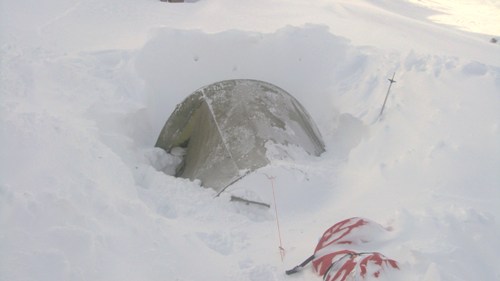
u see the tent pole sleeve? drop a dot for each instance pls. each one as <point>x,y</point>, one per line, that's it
<point>219,130</point>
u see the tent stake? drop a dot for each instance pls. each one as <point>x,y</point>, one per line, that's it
<point>387,95</point>
<point>248,202</point>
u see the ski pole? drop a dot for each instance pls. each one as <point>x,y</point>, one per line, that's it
<point>300,266</point>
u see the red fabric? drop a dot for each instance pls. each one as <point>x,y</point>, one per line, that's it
<point>322,264</point>
<point>343,271</point>
<point>342,262</point>
<point>338,232</point>
<point>379,260</point>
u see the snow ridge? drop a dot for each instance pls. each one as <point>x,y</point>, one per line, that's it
<point>83,193</point>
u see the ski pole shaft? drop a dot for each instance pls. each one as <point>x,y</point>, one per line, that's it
<point>387,95</point>
<point>300,266</point>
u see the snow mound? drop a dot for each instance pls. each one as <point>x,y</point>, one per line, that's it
<point>82,196</point>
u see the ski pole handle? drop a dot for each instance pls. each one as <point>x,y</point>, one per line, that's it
<point>300,266</point>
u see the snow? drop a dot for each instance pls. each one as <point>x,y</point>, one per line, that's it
<point>87,85</point>
<point>470,15</point>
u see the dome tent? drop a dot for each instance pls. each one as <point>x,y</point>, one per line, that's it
<point>227,127</point>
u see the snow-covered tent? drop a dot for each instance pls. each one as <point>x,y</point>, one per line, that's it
<point>227,127</point>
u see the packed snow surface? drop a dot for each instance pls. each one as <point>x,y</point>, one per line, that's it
<point>86,86</point>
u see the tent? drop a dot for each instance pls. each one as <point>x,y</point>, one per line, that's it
<point>227,128</point>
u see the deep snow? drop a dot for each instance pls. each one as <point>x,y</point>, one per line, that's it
<point>87,85</point>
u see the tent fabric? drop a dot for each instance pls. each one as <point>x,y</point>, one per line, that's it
<point>227,127</point>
